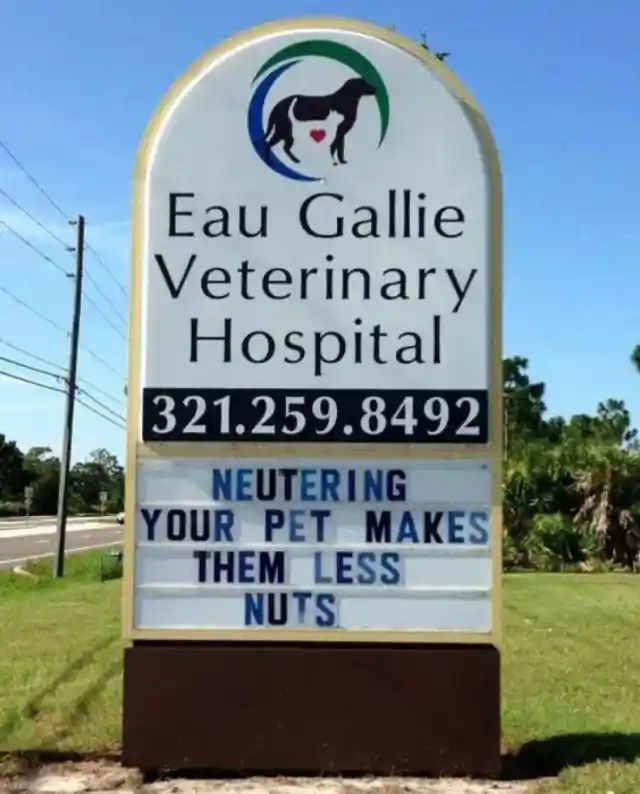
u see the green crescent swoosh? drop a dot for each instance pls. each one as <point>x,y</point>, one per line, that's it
<point>345,55</point>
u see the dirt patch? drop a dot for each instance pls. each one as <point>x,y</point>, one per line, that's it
<point>101,777</point>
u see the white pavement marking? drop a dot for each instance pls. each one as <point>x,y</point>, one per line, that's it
<point>18,560</point>
<point>51,530</point>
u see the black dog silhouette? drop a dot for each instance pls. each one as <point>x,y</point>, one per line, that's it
<point>344,101</point>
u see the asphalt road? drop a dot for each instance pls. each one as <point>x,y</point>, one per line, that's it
<point>21,540</point>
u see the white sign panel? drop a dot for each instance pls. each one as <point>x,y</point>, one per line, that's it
<point>315,250</point>
<point>388,546</point>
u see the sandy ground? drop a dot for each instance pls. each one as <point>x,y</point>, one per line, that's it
<point>95,778</point>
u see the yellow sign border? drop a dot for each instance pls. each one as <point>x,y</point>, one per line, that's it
<point>492,451</point>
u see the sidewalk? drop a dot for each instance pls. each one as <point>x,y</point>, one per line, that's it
<point>99,778</point>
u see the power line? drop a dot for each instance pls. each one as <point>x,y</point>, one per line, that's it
<point>48,259</point>
<point>107,270</point>
<point>60,328</point>
<point>37,312</point>
<point>102,361</point>
<point>31,217</point>
<point>61,212</point>
<point>31,382</point>
<point>50,363</point>
<point>35,357</point>
<point>101,404</point>
<point>32,369</point>
<point>84,392</point>
<point>90,278</point>
<point>34,182</point>
<point>33,248</point>
<point>101,415</point>
<point>107,319</point>
<point>59,377</point>
<point>104,393</point>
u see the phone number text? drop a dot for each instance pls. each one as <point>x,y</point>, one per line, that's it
<point>442,417</point>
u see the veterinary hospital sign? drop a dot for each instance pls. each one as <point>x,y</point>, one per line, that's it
<point>315,249</point>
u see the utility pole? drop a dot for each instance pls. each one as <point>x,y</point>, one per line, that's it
<point>65,458</point>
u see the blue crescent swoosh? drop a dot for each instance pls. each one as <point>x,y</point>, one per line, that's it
<point>255,115</point>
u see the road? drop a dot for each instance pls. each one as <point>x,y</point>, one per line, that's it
<point>21,540</point>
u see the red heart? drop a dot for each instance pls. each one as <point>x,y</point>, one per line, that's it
<point>318,135</point>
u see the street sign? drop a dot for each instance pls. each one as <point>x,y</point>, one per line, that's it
<point>28,492</point>
<point>103,496</point>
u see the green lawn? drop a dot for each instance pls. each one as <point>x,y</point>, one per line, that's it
<point>571,672</point>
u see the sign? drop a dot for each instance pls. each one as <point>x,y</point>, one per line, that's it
<point>28,493</point>
<point>317,248</point>
<point>335,546</point>
<point>103,496</point>
<point>314,409</point>
<point>316,305</point>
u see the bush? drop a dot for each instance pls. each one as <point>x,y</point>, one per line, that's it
<point>556,542</point>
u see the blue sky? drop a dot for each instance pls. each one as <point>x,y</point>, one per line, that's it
<point>557,79</point>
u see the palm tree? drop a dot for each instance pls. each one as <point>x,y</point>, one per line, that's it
<point>635,357</point>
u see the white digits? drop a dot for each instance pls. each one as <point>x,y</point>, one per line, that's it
<point>436,409</point>
<point>326,410</point>
<point>167,413</point>
<point>373,409</point>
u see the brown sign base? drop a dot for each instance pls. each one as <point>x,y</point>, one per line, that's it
<point>259,709</point>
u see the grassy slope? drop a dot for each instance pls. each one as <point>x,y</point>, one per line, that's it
<point>571,679</point>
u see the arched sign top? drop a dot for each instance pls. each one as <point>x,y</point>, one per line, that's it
<point>316,43</point>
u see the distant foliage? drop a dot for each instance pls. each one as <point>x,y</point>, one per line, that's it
<point>39,468</point>
<point>571,487</point>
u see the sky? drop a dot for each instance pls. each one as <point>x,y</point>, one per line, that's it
<point>557,81</point>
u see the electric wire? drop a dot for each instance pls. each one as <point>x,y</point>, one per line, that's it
<point>60,212</point>
<point>50,363</point>
<point>34,181</point>
<point>33,310</point>
<point>107,319</point>
<point>105,298</point>
<point>37,370</point>
<point>53,323</point>
<point>97,358</point>
<point>25,352</point>
<point>101,415</point>
<point>104,393</point>
<point>106,269</point>
<point>34,249</point>
<point>31,382</point>
<point>59,267</point>
<point>85,393</point>
<point>31,217</point>
<point>120,424</point>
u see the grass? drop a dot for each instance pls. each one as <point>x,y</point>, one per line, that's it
<point>61,658</point>
<point>571,672</point>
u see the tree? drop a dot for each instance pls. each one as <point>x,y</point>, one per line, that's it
<point>441,56</point>
<point>100,472</point>
<point>524,405</point>
<point>12,478</point>
<point>42,468</point>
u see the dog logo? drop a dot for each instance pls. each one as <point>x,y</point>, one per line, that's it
<point>325,119</point>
